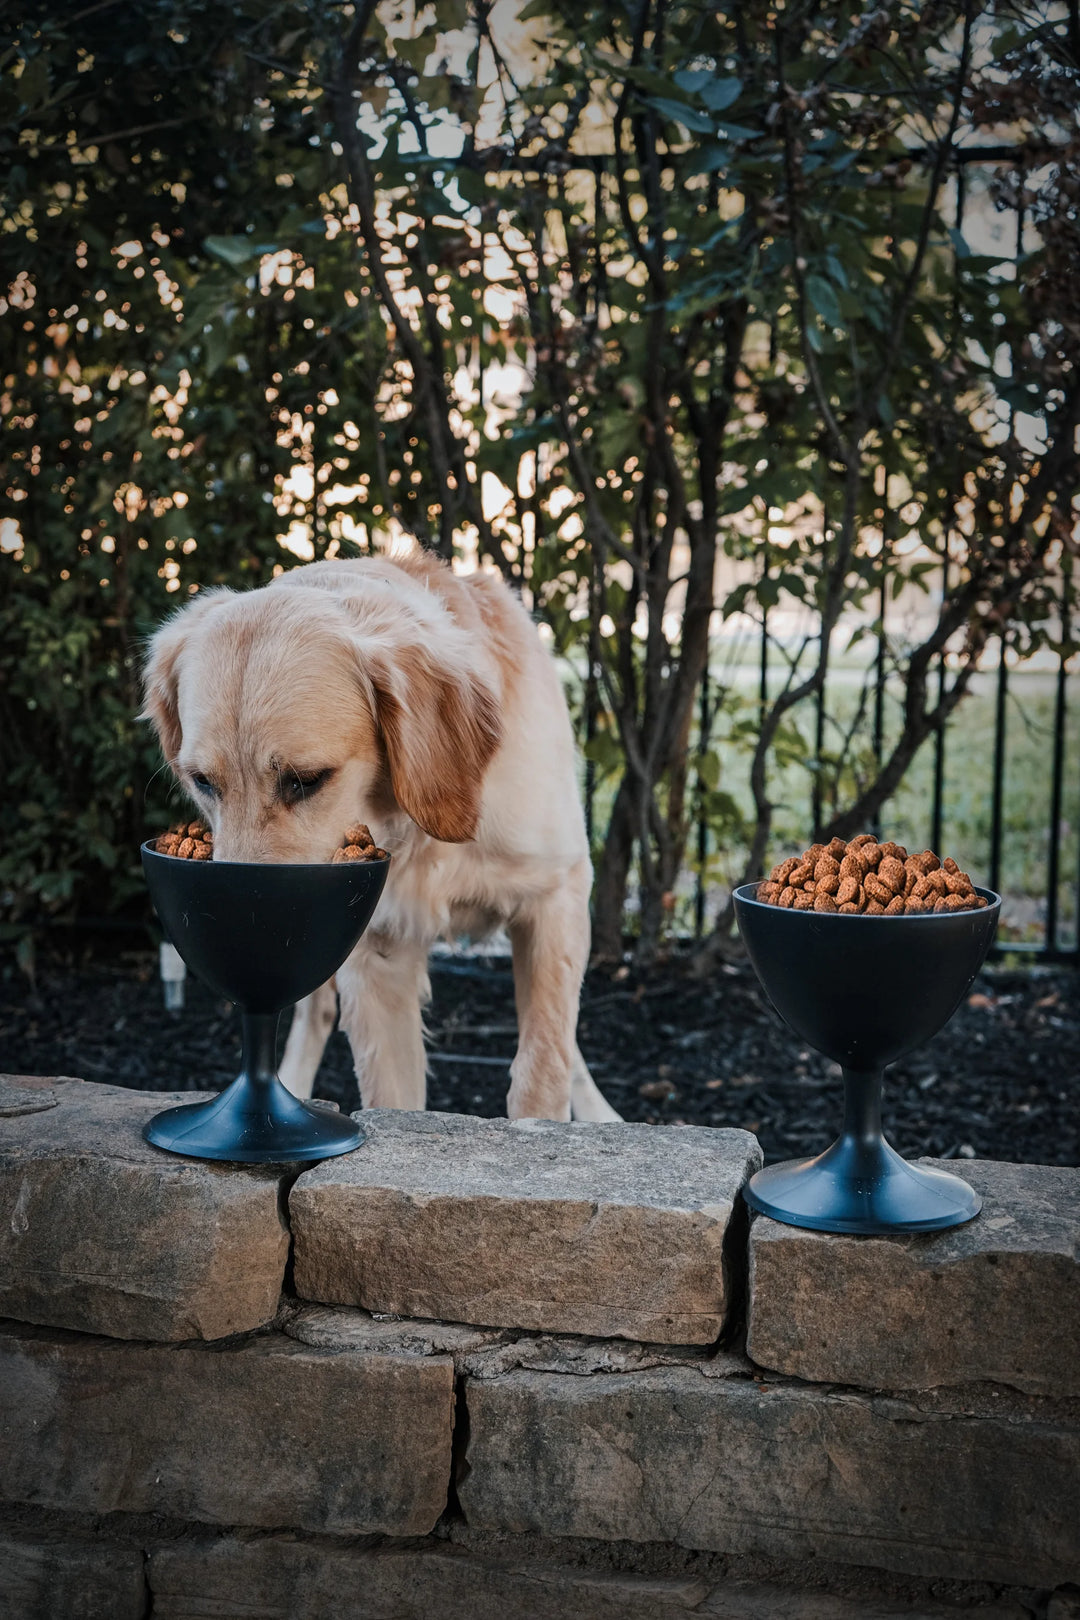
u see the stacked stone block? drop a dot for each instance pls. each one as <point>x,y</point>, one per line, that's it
<point>517,1369</point>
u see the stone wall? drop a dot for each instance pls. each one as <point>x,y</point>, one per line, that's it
<point>520,1371</point>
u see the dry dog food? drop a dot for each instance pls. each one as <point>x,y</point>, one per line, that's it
<point>194,841</point>
<point>871,879</point>
<point>358,845</point>
<point>190,840</point>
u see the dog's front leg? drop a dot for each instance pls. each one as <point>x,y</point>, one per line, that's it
<point>550,942</point>
<point>383,986</point>
<point>311,1028</point>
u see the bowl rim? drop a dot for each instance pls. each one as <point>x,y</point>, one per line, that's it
<point>744,898</point>
<point>147,848</point>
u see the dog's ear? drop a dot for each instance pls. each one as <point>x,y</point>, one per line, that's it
<point>161,672</point>
<point>440,728</point>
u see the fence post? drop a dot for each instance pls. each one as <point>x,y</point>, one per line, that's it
<point>998,788</point>
<point>879,673</point>
<point>704,727</point>
<point>1058,773</point>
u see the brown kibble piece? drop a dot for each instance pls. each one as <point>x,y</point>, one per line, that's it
<point>359,835</point>
<point>787,896</point>
<point>829,884</point>
<point>768,892</point>
<point>868,856</point>
<point>860,839</point>
<point>825,867</point>
<point>874,908</point>
<point>781,873</point>
<point>949,865</point>
<point>803,871</point>
<point>803,901</point>
<point>825,902</point>
<point>849,909</point>
<point>186,849</point>
<point>896,906</point>
<point>851,868</point>
<point>848,891</point>
<point>916,908</point>
<point>837,849</point>
<point>202,851</point>
<point>876,890</point>
<point>958,883</point>
<point>891,872</point>
<point>911,878</point>
<point>897,851</point>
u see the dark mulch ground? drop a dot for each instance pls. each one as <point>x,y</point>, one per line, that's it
<point>1000,1082</point>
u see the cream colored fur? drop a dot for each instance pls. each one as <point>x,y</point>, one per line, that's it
<point>441,717</point>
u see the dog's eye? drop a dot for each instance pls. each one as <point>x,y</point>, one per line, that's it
<point>204,785</point>
<point>296,786</point>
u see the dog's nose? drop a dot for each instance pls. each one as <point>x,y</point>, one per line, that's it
<point>243,847</point>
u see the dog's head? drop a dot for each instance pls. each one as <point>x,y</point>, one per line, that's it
<point>290,714</point>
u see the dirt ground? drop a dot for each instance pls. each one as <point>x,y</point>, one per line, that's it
<point>1001,1081</point>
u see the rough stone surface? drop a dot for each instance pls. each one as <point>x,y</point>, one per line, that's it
<point>611,1230</point>
<point>300,1580</point>
<point>781,1470</point>
<point>487,1352</point>
<point>997,1300</point>
<point>262,1432</point>
<point>103,1233</point>
<point>60,1577</point>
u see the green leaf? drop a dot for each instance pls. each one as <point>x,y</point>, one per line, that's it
<point>822,296</point>
<point>33,84</point>
<point>737,132</point>
<point>708,768</point>
<point>721,94</point>
<point>680,113</point>
<point>237,250</point>
<point>692,79</point>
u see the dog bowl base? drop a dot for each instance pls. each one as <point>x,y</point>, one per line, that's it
<point>254,1121</point>
<point>861,1186</point>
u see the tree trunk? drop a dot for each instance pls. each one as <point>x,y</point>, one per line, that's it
<point>612,876</point>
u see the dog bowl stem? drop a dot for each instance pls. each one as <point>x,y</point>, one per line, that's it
<point>256,1120</point>
<point>861,1184</point>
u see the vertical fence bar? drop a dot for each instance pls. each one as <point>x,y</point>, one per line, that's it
<point>816,795</point>
<point>763,679</point>
<point>591,696</point>
<point>1053,859</point>
<point>879,672</point>
<point>937,810</point>
<point>938,797</point>
<point>998,790</point>
<point>704,727</point>
<point>1003,671</point>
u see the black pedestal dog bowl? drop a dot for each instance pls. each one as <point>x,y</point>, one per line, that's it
<point>264,937</point>
<point>863,990</point>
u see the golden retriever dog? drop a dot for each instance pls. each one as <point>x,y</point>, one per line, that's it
<point>390,691</point>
